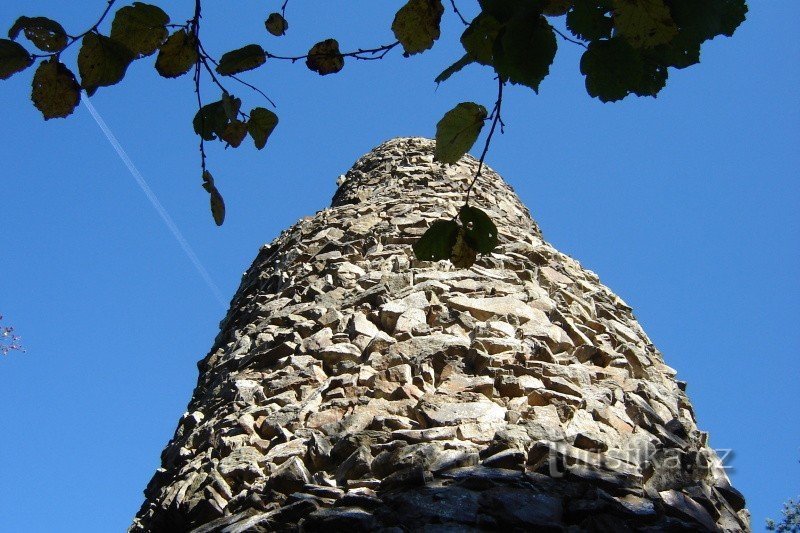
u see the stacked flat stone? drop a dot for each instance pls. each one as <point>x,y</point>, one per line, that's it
<point>354,388</point>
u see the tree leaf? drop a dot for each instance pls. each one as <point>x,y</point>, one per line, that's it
<point>701,21</point>
<point>217,203</point>
<point>276,24</point>
<point>457,131</point>
<point>437,242</point>
<point>589,20</point>
<point>455,67</point>
<point>325,58</point>
<point>416,25</point>
<point>613,69</point>
<point>479,38</point>
<point>234,133</point>
<point>13,58</point>
<point>210,121</point>
<point>644,23</point>
<point>45,34</point>
<point>231,104</point>
<point>241,60</point>
<point>141,28</point>
<point>525,50</point>
<point>55,92</point>
<point>102,62</point>
<point>262,122</point>
<point>556,8</point>
<point>462,254</point>
<point>177,55</point>
<point>480,233</point>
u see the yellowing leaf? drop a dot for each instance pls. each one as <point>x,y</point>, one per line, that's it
<point>262,122</point>
<point>55,92</point>
<point>102,62</point>
<point>47,35</point>
<point>644,23</point>
<point>241,60</point>
<point>276,24</point>
<point>141,28</point>
<point>416,25</point>
<point>217,203</point>
<point>13,58</point>
<point>458,130</point>
<point>177,55</point>
<point>234,133</point>
<point>462,255</point>
<point>325,58</point>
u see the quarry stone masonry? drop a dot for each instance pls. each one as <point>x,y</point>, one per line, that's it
<point>354,388</point>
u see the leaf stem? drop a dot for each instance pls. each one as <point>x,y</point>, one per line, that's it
<point>496,119</point>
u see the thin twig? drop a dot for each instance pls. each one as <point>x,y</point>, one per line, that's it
<point>496,119</point>
<point>569,39</point>
<point>195,25</point>
<point>253,87</point>
<point>283,9</point>
<point>457,12</point>
<point>366,54</point>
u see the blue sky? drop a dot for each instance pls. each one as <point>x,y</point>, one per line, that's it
<point>685,205</point>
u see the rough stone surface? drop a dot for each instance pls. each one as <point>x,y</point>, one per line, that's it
<point>354,388</point>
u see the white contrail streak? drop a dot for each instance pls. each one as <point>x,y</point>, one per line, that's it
<point>155,202</point>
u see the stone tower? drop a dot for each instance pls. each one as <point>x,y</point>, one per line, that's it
<point>354,388</point>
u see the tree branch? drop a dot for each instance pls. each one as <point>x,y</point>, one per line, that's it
<point>496,119</point>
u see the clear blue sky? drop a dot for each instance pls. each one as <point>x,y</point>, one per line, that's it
<point>685,205</point>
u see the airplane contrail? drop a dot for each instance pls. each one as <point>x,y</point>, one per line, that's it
<point>137,176</point>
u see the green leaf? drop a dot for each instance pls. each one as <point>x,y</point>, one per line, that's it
<point>589,20</point>
<point>13,58</point>
<point>241,60</point>
<point>55,92</point>
<point>653,78</point>
<point>325,58</point>
<point>613,69</point>
<point>102,62</point>
<point>210,121</point>
<point>644,23</point>
<point>455,67</point>
<point>217,203</point>
<point>479,38</point>
<point>556,8</point>
<point>276,24</point>
<point>416,25</point>
<point>480,233</point>
<point>457,131</point>
<point>141,28</point>
<point>45,34</point>
<point>177,55</point>
<point>701,21</point>
<point>234,133</point>
<point>262,122</point>
<point>525,50</point>
<point>462,254</point>
<point>437,242</point>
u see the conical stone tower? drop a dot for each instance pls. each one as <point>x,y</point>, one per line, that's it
<point>353,388</point>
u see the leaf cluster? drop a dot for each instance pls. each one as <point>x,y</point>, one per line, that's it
<point>629,48</point>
